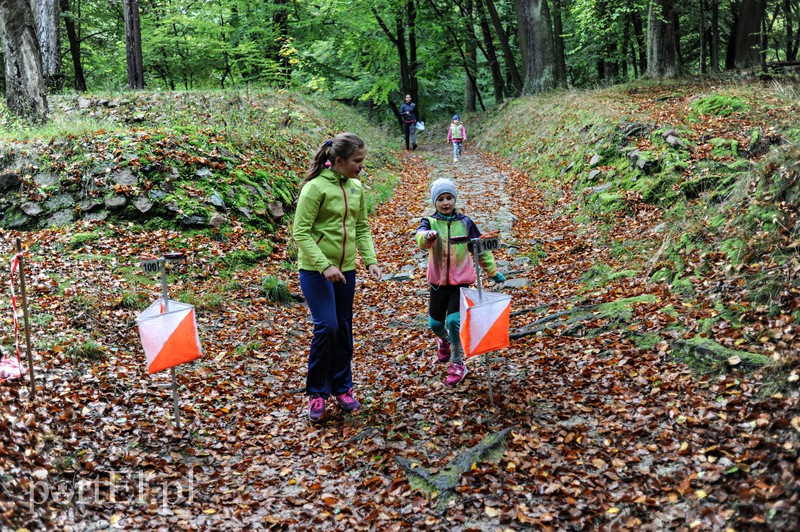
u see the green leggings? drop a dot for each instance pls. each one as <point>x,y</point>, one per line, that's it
<point>448,330</point>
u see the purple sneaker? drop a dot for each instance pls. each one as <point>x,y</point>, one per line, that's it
<point>455,374</point>
<point>443,353</point>
<point>348,402</point>
<point>316,408</point>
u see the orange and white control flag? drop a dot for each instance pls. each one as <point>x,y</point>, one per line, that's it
<point>169,338</point>
<point>484,321</point>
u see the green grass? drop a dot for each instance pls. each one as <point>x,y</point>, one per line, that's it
<point>718,105</point>
<point>88,351</point>
<point>276,290</point>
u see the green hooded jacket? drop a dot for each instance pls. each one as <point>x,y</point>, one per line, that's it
<point>331,223</point>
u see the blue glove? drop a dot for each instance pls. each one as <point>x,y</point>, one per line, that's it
<point>499,278</point>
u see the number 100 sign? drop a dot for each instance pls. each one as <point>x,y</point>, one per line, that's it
<point>150,266</point>
<point>487,244</point>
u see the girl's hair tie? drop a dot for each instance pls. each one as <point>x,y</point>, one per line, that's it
<point>329,142</point>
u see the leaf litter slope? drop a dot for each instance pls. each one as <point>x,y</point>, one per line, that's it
<point>604,433</point>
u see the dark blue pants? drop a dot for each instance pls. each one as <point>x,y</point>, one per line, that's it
<point>331,306</point>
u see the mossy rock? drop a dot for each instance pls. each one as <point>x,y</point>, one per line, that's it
<point>722,147</point>
<point>692,189</point>
<point>683,288</point>
<point>610,202</point>
<point>716,354</point>
<point>655,188</point>
<point>717,105</point>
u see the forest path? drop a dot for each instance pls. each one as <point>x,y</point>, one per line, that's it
<point>481,186</point>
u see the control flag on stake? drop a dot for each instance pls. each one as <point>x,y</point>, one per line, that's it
<point>484,321</point>
<point>12,368</point>
<point>169,338</point>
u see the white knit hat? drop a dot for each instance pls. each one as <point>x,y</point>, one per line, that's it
<point>440,186</point>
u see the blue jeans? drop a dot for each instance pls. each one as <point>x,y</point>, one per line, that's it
<point>458,147</point>
<point>331,354</point>
<point>410,130</point>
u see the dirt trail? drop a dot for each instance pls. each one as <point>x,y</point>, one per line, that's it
<point>607,432</point>
<point>481,187</point>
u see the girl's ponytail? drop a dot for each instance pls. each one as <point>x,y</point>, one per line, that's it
<point>342,145</point>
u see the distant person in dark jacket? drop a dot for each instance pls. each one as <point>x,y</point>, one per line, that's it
<point>408,112</point>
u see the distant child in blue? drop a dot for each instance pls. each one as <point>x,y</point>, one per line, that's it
<point>457,134</point>
<point>445,236</point>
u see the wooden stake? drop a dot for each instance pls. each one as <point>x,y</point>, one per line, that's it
<point>25,317</point>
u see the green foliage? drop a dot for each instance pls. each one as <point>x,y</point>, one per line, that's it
<point>79,240</point>
<point>601,274</point>
<point>717,105</point>
<point>248,257</point>
<point>210,300</point>
<point>276,290</point>
<point>133,300</point>
<point>88,351</point>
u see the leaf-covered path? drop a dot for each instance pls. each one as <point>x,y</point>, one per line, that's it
<point>605,430</point>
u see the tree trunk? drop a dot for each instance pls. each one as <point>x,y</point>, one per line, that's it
<point>45,12</point>
<point>408,78</point>
<point>515,80</point>
<point>280,26</point>
<point>641,41</point>
<point>730,49</point>
<point>714,35</point>
<point>133,45</point>
<point>558,31</point>
<point>791,51</point>
<point>703,57</point>
<point>662,50</point>
<point>74,46</point>
<point>471,51</point>
<point>491,55</point>
<point>26,95</point>
<point>411,13</point>
<point>748,34</point>
<point>536,45</point>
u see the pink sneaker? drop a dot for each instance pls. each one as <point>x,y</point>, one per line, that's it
<point>443,353</point>
<point>316,408</point>
<point>348,402</point>
<point>455,374</point>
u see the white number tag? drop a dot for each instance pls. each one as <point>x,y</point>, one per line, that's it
<point>488,244</point>
<point>150,266</point>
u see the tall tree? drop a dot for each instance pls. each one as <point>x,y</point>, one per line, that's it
<point>662,40</point>
<point>641,40</point>
<point>491,54</point>
<point>26,95</point>
<point>514,76</point>
<point>749,49</point>
<point>714,45</point>
<point>74,45</point>
<point>558,35</point>
<point>46,14</point>
<point>133,45</point>
<point>406,51</point>
<point>471,53</point>
<point>792,37</point>
<point>536,44</point>
<point>702,36</point>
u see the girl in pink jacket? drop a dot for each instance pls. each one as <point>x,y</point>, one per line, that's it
<point>457,135</point>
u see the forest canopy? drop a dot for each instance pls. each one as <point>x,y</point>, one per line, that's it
<point>460,55</point>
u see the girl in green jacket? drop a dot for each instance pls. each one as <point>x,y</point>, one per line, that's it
<point>330,224</point>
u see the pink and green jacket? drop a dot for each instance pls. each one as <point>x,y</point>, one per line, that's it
<point>456,133</point>
<point>451,263</point>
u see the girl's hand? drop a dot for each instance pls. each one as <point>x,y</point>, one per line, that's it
<point>374,271</point>
<point>431,236</point>
<point>333,275</point>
